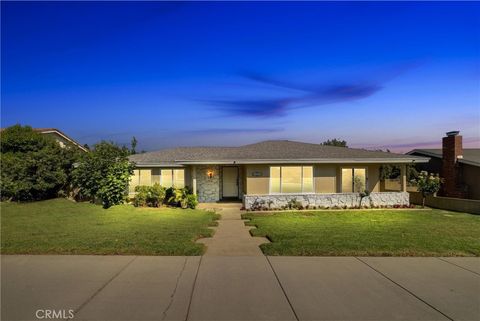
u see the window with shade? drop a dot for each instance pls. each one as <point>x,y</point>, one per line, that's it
<point>291,179</point>
<point>172,177</point>
<point>354,180</point>
<point>140,177</point>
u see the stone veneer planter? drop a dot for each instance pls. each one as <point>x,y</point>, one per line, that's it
<point>341,200</point>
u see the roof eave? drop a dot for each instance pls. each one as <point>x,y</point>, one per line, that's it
<point>421,151</point>
<point>469,162</point>
<point>309,161</point>
<point>157,165</point>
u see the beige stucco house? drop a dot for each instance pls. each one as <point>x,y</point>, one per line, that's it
<point>275,172</point>
<point>61,138</point>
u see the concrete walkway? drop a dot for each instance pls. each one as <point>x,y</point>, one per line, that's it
<point>241,288</point>
<point>232,237</point>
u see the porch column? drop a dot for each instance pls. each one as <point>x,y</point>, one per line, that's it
<point>403,177</point>
<point>194,179</point>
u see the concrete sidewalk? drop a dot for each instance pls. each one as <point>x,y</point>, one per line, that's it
<point>241,288</point>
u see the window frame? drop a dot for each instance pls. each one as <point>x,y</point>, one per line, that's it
<point>353,175</point>
<point>301,178</point>
<point>173,177</point>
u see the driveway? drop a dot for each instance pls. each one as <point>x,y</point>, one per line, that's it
<point>240,288</point>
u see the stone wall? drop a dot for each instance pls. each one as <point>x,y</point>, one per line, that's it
<point>208,189</point>
<point>341,200</point>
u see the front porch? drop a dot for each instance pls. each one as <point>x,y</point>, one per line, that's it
<point>320,185</point>
<point>214,183</point>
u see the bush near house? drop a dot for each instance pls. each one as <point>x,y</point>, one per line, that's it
<point>155,195</point>
<point>151,196</point>
<point>34,166</point>
<point>104,173</point>
<point>428,184</point>
<point>181,197</point>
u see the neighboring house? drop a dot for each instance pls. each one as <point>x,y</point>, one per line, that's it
<point>275,172</point>
<point>60,137</point>
<point>459,167</point>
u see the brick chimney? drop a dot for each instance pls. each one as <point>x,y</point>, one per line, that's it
<point>452,151</point>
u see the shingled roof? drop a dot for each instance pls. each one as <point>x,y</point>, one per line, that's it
<point>471,156</point>
<point>273,151</point>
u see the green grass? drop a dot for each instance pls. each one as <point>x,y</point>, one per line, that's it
<point>60,226</point>
<point>369,233</point>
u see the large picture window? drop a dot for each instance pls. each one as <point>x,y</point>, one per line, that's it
<point>291,179</point>
<point>354,180</point>
<point>172,177</point>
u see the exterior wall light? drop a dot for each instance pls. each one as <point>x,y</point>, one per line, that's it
<point>210,174</point>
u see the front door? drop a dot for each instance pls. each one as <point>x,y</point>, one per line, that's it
<point>230,181</point>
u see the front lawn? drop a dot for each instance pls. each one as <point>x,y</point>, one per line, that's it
<point>368,232</point>
<point>60,226</point>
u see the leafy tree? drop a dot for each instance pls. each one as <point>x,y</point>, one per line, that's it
<point>104,173</point>
<point>335,142</point>
<point>133,145</point>
<point>428,184</point>
<point>33,166</point>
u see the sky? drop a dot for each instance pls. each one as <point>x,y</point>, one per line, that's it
<point>379,75</point>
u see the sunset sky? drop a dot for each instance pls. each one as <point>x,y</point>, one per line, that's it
<point>378,75</point>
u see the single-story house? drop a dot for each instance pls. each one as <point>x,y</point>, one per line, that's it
<point>274,173</point>
<point>460,167</point>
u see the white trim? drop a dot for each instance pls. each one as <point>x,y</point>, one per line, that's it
<point>313,160</point>
<point>166,166</point>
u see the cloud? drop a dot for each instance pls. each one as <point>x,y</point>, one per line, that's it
<point>253,108</point>
<point>308,95</point>
<point>303,95</point>
<point>266,108</point>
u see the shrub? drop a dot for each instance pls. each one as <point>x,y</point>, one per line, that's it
<point>293,204</point>
<point>257,205</point>
<point>104,173</point>
<point>190,201</point>
<point>33,166</point>
<point>173,196</point>
<point>428,184</point>
<point>156,196</point>
<point>180,197</point>
<point>152,196</point>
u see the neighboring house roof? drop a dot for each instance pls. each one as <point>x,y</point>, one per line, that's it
<point>471,156</point>
<point>273,151</point>
<point>61,134</point>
